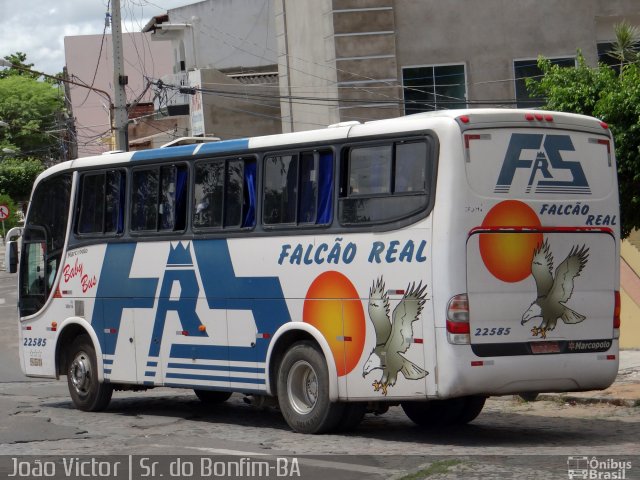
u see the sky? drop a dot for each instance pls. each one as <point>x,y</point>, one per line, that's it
<point>38,27</point>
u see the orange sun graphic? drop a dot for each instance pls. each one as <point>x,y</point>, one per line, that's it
<point>508,256</point>
<point>332,297</point>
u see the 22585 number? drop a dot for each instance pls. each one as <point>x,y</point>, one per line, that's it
<point>35,342</point>
<point>489,332</point>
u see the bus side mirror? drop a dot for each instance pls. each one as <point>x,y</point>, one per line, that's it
<point>11,256</point>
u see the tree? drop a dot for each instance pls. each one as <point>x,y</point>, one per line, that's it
<point>615,99</point>
<point>30,108</point>
<point>626,47</point>
<point>18,59</point>
<point>17,177</point>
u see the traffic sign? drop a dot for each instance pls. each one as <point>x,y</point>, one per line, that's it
<point>4,212</point>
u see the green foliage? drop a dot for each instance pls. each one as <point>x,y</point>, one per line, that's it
<point>18,62</point>
<point>29,107</point>
<point>626,48</point>
<point>613,98</point>
<point>13,219</point>
<point>17,177</point>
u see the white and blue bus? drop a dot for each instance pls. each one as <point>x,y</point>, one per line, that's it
<point>429,261</point>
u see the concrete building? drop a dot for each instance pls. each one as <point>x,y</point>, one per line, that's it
<point>381,58</point>
<point>89,60</point>
<point>630,294</point>
<point>225,52</point>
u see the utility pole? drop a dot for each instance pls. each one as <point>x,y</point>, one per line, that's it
<point>120,80</point>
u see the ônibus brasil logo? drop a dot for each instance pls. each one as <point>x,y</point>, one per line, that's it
<point>583,467</point>
<point>548,172</point>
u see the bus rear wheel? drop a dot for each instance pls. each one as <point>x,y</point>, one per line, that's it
<point>211,396</point>
<point>303,391</point>
<point>87,393</point>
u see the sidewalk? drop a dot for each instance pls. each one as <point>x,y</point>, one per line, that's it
<point>625,391</point>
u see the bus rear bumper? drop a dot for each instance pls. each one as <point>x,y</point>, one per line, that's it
<point>462,373</point>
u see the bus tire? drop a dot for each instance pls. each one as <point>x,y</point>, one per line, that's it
<point>212,397</point>
<point>303,391</point>
<point>473,405</point>
<point>87,393</point>
<point>434,413</point>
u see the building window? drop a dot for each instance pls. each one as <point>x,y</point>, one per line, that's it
<point>436,87</point>
<point>605,57</point>
<point>529,69</point>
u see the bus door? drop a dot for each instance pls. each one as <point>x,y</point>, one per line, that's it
<point>119,341</point>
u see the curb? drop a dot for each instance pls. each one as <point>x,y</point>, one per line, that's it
<point>573,399</point>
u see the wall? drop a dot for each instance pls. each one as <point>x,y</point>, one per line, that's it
<point>630,292</point>
<point>306,63</point>
<point>142,58</point>
<point>233,117</point>
<point>227,33</point>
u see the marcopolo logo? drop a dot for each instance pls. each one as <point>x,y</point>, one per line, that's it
<point>583,467</point>
<point>547,171</point>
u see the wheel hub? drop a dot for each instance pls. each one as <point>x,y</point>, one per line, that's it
<point>80,373</point>
<point>302,387</point>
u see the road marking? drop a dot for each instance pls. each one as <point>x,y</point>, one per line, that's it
<point>312,462</point>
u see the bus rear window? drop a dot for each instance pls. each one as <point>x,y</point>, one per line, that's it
<point>382,183</point>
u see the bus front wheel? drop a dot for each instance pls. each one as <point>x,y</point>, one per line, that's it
<point>87,393</point>
<point>303,391</point>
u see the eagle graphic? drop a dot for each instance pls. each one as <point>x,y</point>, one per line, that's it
<point>393,338</point>
<point>553,293</point>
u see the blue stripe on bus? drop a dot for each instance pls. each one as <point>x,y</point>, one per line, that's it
<point>107,361</point>
<point>214,352</point>
<point>160,153</point>
<point>149,384</point>
<point>152,364</point>
<point>149,374</point>
<point>224,146</point>
<point>225,368</point>
<point>107,371</point>
<point>215,378</point>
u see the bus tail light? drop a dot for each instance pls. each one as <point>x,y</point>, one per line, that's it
<point>458,329</point>
<point>616,315</point>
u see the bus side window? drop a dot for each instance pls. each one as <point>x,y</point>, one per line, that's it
<point>101,209</point>
<point>159,199</point>
<point>144,201</point>
<point>225,194</point>
<point>384,183</point>
<point>298,189</point>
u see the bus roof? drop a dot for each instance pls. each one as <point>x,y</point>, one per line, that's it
<point>466,118</point>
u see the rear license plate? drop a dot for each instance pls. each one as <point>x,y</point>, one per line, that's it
<point>545,347</point>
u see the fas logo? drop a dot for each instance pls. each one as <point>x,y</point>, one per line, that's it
<point>548,172</point>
